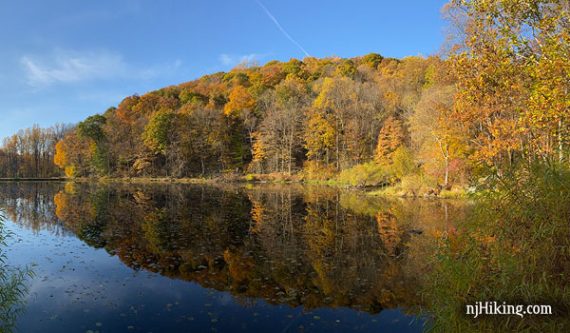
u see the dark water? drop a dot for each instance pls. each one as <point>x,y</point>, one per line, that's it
<point>187,258</point>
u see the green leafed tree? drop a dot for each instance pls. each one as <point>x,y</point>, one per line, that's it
<point>92,129</point>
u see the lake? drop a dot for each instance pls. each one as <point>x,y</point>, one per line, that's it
<point>203,258</point>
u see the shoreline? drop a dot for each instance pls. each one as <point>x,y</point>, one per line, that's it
<point>239,179</point>
<point>41,179</point>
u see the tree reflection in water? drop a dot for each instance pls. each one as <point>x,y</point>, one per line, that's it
<point>302,246</point>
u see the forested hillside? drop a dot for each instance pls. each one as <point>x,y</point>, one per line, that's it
<point>498,98</point>
<point>316,115</point>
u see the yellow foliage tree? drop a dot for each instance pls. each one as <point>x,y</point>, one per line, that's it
<point>60,157</point>
<point>239,100</point>
<point>391,137</point>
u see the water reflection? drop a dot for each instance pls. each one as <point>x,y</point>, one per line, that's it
<point>13,286</point>
<point>288,245</point>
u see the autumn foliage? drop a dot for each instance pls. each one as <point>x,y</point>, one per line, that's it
<point>498,98</point>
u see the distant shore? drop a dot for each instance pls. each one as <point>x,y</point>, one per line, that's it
<point>52,179</point>
<point>118,180</point>
<point>378,191</point>
<point>143,180</point>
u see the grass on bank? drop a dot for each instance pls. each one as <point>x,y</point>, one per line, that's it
<point>410,188</point>
<point>515,248</point>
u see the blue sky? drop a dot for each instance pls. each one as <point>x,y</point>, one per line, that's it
<point>62,60</point>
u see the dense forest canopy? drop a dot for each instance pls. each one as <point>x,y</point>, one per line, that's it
<point>498,98</point>
<point>30,152</point>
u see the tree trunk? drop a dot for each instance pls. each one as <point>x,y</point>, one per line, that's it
<point>446,179</point>
<point>560,144</point>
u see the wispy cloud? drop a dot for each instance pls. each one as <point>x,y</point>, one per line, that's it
<point>65,67</point>
<point>72,67</point>
<point>231,60</point>
<point>280,27</point>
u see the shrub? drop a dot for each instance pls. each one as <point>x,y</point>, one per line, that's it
<point>412,185</point>
<point>313,170</point>
<point>70,171</point>
<point>367,174</point>
<point>403,162</point>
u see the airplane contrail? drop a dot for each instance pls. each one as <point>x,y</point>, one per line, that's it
<point>283,31</point>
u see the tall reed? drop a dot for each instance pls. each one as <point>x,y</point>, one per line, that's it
<point>515,248</point>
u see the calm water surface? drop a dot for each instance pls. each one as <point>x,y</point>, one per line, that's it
<point>187,258</point>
